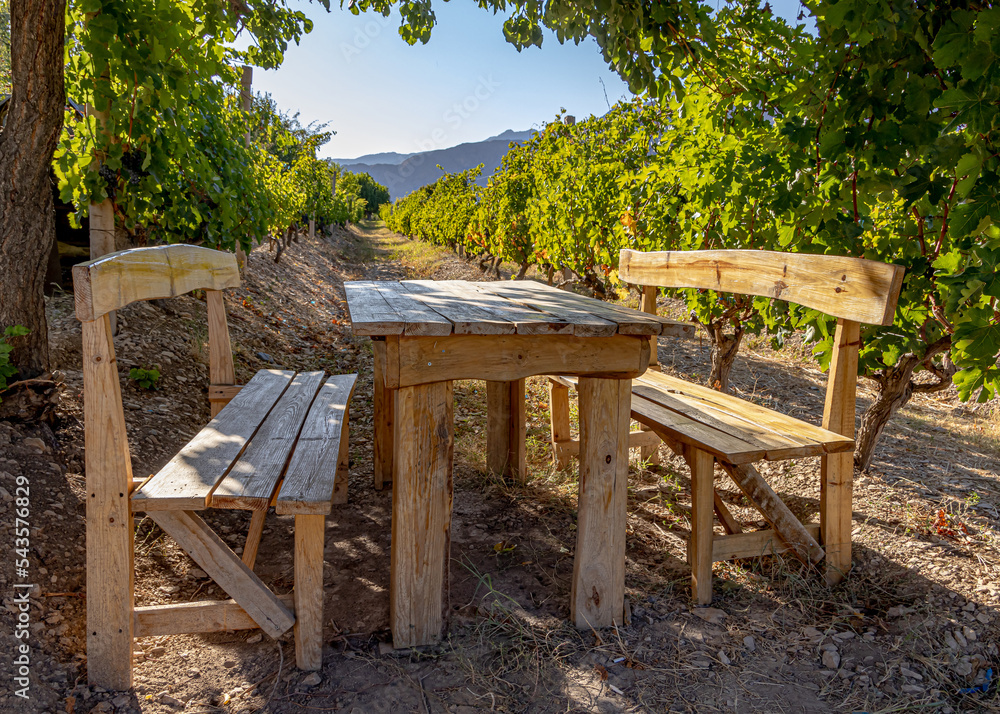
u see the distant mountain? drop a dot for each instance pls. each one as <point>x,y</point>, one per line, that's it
<point>387,157</point>
<point>403,173</point>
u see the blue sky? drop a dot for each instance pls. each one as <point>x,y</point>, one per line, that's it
<point>466,84</point>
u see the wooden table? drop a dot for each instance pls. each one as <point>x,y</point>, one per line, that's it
<point>426,334</point>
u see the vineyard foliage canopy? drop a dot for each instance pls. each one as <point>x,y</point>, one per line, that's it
<point>170,144</point>
<point>874,136</point>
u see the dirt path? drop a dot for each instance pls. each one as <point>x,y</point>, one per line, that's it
<point>916,622</point>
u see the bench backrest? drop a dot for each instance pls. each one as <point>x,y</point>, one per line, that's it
<point>853,290</point>
<point>115,280</point>
<point>850,288</point>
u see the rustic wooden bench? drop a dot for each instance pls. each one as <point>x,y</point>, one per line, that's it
<point>707,427</point>
<point>280,440</point>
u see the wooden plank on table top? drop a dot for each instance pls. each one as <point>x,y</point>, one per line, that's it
<point>585,324</point>
<point>718,402</point>
<point>309,478</point>
<point>459,304</point>
<point>252,480</point>
<point>693,433</point>
<point>630,322</point>
<point>186,482</point>
<point>370,313</point>
<point>527,321</point>
<point>417,318</point>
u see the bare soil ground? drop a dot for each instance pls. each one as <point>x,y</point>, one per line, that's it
<point>916,622</point>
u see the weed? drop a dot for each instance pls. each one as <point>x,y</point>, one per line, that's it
<point>145,377</point>
<point>6,368</point>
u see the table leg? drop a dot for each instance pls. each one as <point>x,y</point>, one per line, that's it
<point>385,414</point>
<point>421,512</point>
<point>505,430</point>
<point>598,594</point>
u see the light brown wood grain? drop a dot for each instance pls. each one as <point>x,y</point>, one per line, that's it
<point>744,416</point>
<point>310,533</point>
<point>648,305</point>
<point>754,544</point>
<point>186,482</point>
<point>460,306</point>
<point>224,567</point>
<point>852,288</point>
<point>315,466</point>
<point>837,470</point>
<point>194,617</point>
<point>521,294</point>
<point>559,425</point>
<point>220,352</point>
<point>510,357</point>
<point>384,407</point>
<point>597,596</point>
<point>729,523</point>
<point>109,519</point>
<point>254,533</point>
<point>702,465</point>
<point>505,429</point>
<point>252,480</point>
<point>629,322</point>
<point>421,513</point>
<point>113,281</point>
<point>802,545</point>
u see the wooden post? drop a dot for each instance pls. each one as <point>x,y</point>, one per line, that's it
<point>648,304</point>
<point>246,95</point>
<point>598,590</point>
<point>221,371</point>
<point>312,228</point>
<point>310,535</point>
<point>254,533</point>
<point>702,465</point>
<point>559,422</point>
<point>837,470</point>
<point>505,431</point>
<point>109,516</point>
<point>421,513</point>
<point>385,416</point>
<point>101,215</point>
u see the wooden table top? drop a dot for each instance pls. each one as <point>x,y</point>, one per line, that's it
<point>521,307</point>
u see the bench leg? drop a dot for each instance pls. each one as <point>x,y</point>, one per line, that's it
<point>649,453</point>
<point>110,547</point>
<point>598,592</point>
<point>559,423</point>
<point>254,533</point>
<point>310,532</point>
<point>421,513</point>
<point>836,494</point>
<point>385,417</point>
<point>702,468</point>
<point>340,483</point>
<point>505,431</point>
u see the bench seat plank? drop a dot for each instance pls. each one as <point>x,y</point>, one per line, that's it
<point>748,417</point>
<point>186,482</point>
<point>253,479</point>
<point>310,477</point>
<point>736,431</point>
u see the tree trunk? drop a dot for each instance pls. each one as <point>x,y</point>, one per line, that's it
<point>522,271</point>
<point>895,388</point>
<point>27,216</point>
<point>724,350</point>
